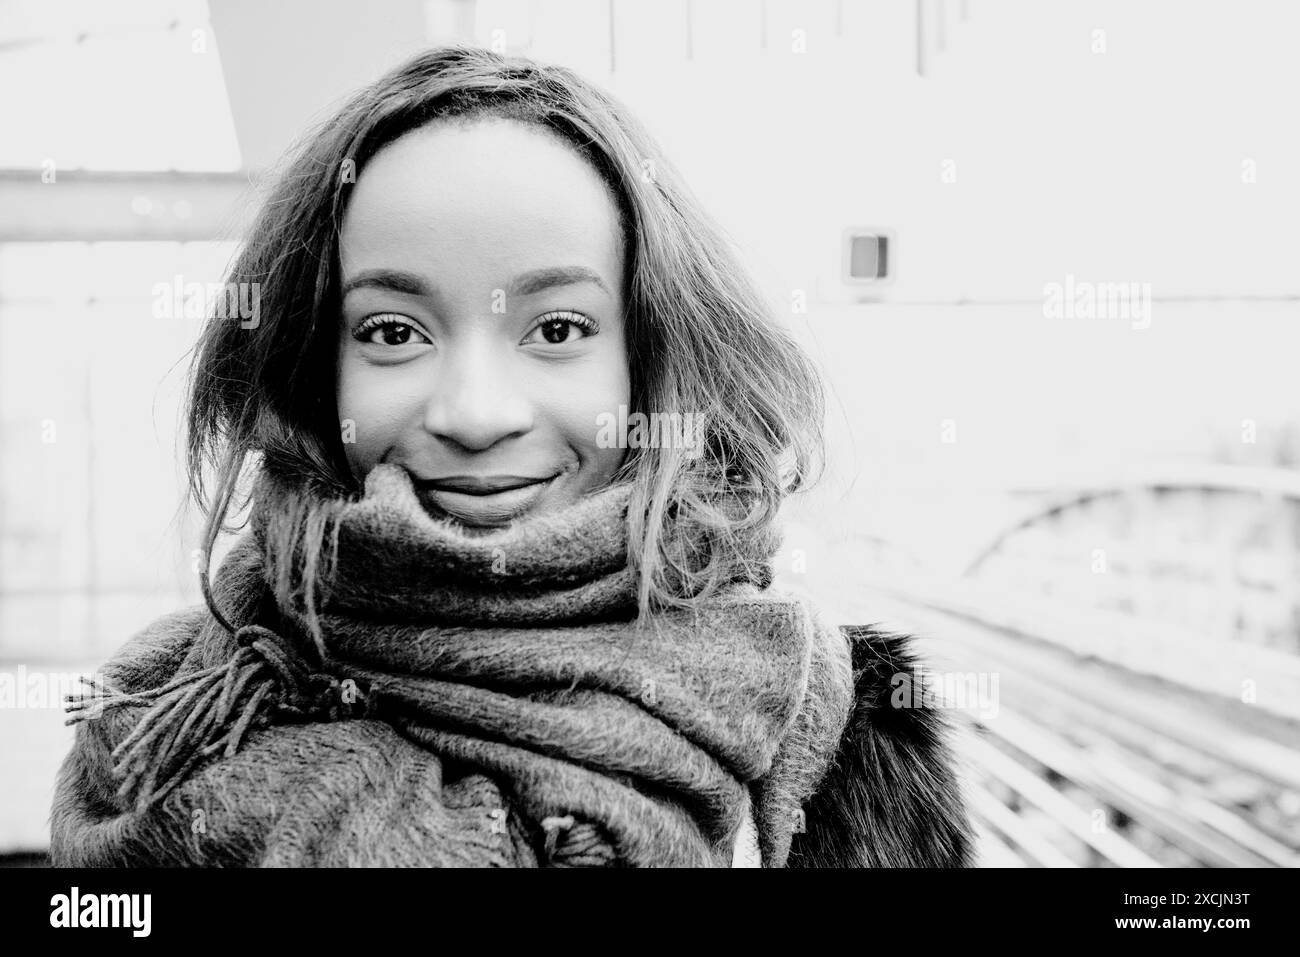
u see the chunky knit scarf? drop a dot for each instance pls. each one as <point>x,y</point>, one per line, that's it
<point>455,699</point>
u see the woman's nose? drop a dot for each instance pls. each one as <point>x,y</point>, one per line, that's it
<point>475,401</point>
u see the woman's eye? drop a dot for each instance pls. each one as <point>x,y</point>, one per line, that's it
<point>559,329</point>
<point>388,331</point>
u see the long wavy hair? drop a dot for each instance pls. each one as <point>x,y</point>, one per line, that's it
<point>700,339</point>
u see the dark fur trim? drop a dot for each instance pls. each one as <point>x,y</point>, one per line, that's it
<point>892,798</point>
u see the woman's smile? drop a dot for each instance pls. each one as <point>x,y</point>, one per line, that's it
<point>485,501</point>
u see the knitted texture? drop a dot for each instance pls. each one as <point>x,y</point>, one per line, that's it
<point>455,699</point>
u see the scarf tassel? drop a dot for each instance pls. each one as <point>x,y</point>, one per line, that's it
<point>195,716</point>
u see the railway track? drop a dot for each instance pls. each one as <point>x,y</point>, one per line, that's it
<point>1086,764</point>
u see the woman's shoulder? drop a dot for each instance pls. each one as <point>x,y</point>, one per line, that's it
<point>829,642</point>
<point>155,651</point>
<point>774,599</point>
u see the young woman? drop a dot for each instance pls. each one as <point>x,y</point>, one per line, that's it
<point>518,428</point>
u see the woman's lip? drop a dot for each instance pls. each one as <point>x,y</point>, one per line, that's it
<point>483,508</point>
<point>478,485</point>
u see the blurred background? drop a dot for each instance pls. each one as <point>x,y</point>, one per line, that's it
<point>1045,253</point>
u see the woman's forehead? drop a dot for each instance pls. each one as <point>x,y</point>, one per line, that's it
<point>497,196</point>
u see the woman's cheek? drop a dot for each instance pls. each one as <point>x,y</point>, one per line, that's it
<point>584,411</point>
<point>369,420</point>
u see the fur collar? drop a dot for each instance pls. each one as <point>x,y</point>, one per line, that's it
<point>892,797</point>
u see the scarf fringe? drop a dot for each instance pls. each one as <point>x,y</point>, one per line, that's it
<point>193,717</point>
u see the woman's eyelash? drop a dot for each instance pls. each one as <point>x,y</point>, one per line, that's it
<point>585,323</point>
<point>379,321</point>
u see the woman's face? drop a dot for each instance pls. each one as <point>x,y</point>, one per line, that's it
<point>482,320</point>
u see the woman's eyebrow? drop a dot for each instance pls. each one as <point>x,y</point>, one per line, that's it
<point>528,283</point>
<point>525,284</point>
<point>394,280</point>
